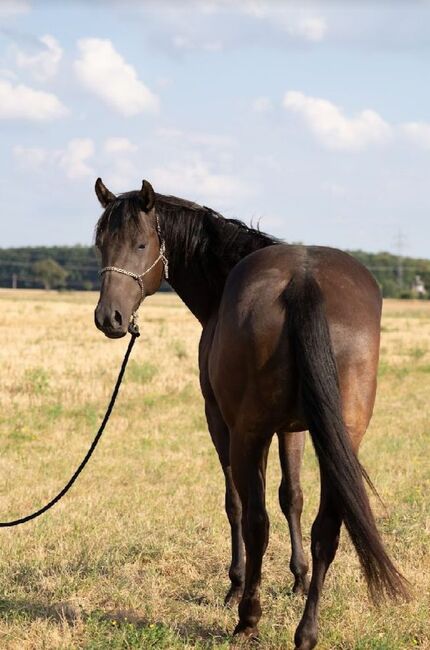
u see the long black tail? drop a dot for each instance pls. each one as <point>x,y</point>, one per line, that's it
<point>310,338</point>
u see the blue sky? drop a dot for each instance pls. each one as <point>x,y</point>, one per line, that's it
<point>312,117</point>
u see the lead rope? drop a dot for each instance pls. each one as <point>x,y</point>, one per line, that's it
<point>66,488</point>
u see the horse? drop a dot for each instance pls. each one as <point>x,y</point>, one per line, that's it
<point>289,343</point>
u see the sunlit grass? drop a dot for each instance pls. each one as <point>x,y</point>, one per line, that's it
<point>136,556</point>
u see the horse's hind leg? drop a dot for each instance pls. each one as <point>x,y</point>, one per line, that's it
<point>326,527</point>
<point>291,447</point>
<point>325,540</point>
<point>221,439</point>
<point>248,463</point>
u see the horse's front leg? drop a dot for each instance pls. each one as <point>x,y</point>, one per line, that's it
<point>221,439</point>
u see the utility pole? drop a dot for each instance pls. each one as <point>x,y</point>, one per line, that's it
<point>399,243</point>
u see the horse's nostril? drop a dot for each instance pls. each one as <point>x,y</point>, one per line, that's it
<point>117,317</point>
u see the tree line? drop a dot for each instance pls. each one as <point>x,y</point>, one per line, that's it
<point>76,268</point>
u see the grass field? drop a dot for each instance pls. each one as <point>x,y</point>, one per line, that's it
<point>136,556</point>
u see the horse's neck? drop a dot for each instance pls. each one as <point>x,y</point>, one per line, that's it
<point>194,292</point>
<point>189,277</point>
<point>200,281</point>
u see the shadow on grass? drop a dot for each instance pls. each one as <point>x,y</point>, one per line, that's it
<point>65,611</point>
<point>120,619</point>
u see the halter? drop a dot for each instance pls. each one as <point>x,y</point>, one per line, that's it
<point>138,277</point>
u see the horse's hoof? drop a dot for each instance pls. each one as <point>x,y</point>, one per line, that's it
<point>301,586</point>
<point>246,632</point>
<point>233,597</point>
<point>305,640</point>
<point>307,644</point>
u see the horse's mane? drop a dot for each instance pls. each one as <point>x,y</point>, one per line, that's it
<point>197,234</point>
<point>196,237</point>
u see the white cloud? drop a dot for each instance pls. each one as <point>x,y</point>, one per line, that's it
<point>19,102</point>
<point>74,158</point>
<point>195,180</point>
<point>103,71</point>
<point>13,7</point>
<point>119,145</point>
<point>418,133</point>
<point>332,128</point>
<point>43,63</point>
<point>296,21</point>
<point>201,166</point>
<point>313,28</point>
<point>202,25</point>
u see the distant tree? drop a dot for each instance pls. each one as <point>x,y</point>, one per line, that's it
<point>390,288</point>
<point>50,273</point>
<point>82,264</point>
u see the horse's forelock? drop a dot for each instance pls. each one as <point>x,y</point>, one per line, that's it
<point>120,219</point>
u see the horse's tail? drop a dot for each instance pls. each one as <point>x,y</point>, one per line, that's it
<point>319,385</point>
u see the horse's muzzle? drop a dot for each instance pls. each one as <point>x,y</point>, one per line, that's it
<point>110,322</point>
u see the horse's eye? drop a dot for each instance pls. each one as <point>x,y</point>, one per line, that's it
<point>141,247</point>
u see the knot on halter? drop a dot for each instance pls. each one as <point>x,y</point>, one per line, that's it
<point>133,326</point>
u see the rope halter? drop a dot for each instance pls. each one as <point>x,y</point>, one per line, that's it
<point>133,327</point>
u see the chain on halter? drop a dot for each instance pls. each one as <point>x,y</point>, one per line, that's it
<point>133,328</point>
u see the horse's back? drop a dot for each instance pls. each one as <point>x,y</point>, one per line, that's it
<point>251,360</point>
<point>269,270</point>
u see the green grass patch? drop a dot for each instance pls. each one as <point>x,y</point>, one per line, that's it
<point>141,373</point>
<point>86,413</point>
<point>117,633</point>
<point>417,352</point>
<point>424,368</point>
<point>36,381</point>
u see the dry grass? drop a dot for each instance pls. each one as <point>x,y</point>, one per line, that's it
<point>136,555</point>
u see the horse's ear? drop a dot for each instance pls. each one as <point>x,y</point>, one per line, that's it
<point>104,195</point>
<point>147,196</point>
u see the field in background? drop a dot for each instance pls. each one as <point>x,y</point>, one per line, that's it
<point>136,556</point>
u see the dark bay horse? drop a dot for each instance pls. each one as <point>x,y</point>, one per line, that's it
<point>290,342</point>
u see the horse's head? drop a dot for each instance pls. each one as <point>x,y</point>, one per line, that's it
<point>132,253</point>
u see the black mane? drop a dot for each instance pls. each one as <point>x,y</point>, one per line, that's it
<point>198,239</point>
<point>198,236</point>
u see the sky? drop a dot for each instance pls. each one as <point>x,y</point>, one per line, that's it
<point>311,118</point>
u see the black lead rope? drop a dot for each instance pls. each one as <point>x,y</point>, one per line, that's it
<point>16,522</point>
